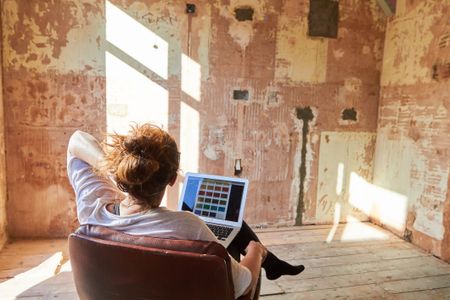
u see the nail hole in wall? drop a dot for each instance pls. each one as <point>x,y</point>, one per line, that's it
<point>272,98</point>
<point>349,114</point>
<point>190,8</point>
<point>244,13</point>
<point>240,95</point>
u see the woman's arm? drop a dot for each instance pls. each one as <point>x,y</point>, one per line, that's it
<point>256,253</point>
<point>84,146</point>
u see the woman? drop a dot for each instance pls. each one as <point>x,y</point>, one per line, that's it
<point>122,186</point>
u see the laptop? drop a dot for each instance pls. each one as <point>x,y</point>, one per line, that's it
<point>219,201</point>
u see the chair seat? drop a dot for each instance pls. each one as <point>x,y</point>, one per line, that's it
<point>122,266</point>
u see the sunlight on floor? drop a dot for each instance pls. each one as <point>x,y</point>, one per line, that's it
<point>337,215</point>
<point>355,230</point>
<point>22,282</point>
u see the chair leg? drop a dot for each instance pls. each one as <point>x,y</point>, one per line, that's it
<point>257,289</point>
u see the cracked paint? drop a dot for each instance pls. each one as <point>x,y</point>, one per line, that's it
<point>407,44</point>
<point>55,82</point>
<point>412,138</point>
<point>299,58</point>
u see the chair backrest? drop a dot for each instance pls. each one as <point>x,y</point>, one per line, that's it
<point>121,266</point>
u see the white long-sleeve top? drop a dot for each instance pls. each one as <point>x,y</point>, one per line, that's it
<point>94,193</point>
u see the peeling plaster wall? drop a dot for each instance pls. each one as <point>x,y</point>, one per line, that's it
<point>53,71</point>
<point>3,219</point>
<point>56,80</point>
<point>284,69</point>
<point>412,152</point>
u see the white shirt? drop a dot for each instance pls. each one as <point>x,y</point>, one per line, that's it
<point>94,192</point>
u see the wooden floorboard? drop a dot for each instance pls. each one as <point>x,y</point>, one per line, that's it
<point>372,263</point>
<point>353,261</point>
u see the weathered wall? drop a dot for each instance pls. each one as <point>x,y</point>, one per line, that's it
<point>284,69</point>
<point>54,83</point>
<point>68,64</point>
<point>412,151</point>
<point>3,219</point>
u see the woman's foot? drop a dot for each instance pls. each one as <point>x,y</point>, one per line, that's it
<point>275,267</point>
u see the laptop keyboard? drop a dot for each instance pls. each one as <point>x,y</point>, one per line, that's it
<point>221,232</point>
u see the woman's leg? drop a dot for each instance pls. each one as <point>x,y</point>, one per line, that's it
<point>273,265</point>
<point>241,240</point>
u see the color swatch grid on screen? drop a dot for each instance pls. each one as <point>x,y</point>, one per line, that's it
<point>212,199</point>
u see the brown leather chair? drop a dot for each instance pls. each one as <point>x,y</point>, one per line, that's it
<point>111,265</point>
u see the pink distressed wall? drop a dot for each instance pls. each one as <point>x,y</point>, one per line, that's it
<point>52,86</point>
<point>56,76</point>
<point>412,153</point>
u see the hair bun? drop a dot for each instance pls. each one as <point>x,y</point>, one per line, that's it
<point>134,169</point>
<point>134,146</point>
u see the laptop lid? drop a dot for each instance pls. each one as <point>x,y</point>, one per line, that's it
<point>215,199</point>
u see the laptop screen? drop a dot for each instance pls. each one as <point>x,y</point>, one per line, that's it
<point>213,198</point>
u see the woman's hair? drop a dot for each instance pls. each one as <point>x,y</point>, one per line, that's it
<point>143,162</point>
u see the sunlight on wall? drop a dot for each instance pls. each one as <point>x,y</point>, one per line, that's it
<point>191,77</point>
<point>136,40</point>
<point>340,179</point>
<point>132,97</point>
<point>189,117</point>
<point>389,207</point>
<point>12,288</point>
<point>189,138</point>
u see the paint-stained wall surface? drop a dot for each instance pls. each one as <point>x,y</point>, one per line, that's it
<point>3,218</point>
<point>412,156</point>
<point>54,83</point>
<point>96,65</point>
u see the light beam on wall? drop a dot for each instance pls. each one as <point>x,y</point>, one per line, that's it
<point>189,138</point>
<point>132,97</point>
<point>190,77</point>
<point>189,117</point>
<point>136,40</point>
<point>389,207</point>
<point>340,179</point>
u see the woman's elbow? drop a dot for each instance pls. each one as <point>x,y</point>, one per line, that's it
<point>73,140</point>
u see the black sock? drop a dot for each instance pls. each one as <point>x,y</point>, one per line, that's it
<point>275,267</point>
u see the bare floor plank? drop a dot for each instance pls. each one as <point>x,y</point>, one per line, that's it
<point>434,294</point>
<point>351,232</point>
<point>387,279</point>
<point>361,268</point>
<point>352,267</point>
<point>417,284</point>
<point>348,261</point>
<point>357,292</point>
<point>59,284</point>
